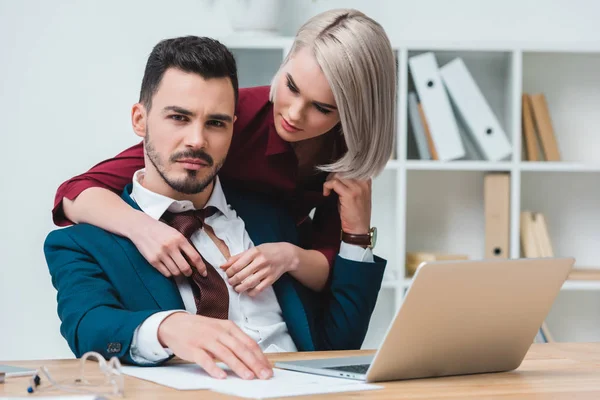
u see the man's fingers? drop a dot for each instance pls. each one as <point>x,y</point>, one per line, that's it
<point>244,273</point>
<point>263,368</point>
<point>208,364</point>
<point>230,357</point>
<point>193,258</point>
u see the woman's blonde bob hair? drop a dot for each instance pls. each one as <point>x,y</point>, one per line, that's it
<point>357,59</point>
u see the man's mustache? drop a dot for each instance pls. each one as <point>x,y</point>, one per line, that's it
<point>197,154</point>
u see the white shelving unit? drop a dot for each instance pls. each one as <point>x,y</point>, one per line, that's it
<point>438,206</point>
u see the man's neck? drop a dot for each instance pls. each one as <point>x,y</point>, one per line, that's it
<point>152,181</point>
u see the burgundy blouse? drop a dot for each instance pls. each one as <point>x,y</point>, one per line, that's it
<point>258,160</point>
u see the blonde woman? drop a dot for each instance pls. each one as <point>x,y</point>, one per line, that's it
<point>313,139</point>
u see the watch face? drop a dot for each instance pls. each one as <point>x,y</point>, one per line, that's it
<point>373,237</point>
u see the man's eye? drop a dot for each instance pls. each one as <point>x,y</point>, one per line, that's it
<point>178,117</point>
<point>215,123</point>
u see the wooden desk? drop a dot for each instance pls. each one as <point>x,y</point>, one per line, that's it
<point>550,371</point>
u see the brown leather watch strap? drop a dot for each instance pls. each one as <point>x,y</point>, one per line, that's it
<point>359,240</point>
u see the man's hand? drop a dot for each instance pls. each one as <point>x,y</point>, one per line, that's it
<point>354,202</point>
<point>203,340</point>
<point>257,268</point>
<point>165,248</point>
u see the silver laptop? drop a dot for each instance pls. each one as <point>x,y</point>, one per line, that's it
<point>458,317</point>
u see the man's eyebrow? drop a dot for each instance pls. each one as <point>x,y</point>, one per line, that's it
<point>179,110</point>
<point>324,105</point>
<point>221,117</point>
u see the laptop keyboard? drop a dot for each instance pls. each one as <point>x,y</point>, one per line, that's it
<point>357,369</point>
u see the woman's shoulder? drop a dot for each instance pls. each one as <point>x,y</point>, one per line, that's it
<point>251,102</point>
<point>255,94</point>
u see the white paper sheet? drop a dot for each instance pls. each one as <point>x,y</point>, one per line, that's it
<point>283,383</point>
<point>65,397</point>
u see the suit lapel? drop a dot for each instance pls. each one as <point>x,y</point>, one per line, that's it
<point>163,290</point>
<point>263,224</point>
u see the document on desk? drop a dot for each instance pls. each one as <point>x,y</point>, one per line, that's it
<point>283,383</point>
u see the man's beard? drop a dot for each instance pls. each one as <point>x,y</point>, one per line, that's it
<point>189,184</point>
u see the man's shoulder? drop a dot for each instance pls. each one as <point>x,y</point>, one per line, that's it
<point>80,235</point>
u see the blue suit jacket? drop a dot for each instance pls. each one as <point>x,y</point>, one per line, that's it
<point>106,288</point>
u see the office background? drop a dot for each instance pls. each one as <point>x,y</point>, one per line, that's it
<point>70,71</point>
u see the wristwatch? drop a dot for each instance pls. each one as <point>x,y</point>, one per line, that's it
<point>368,239</point>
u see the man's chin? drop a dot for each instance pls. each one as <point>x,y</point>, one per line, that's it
<point>191,183</point>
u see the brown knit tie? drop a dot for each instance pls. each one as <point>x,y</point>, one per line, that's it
<point>210,292</point>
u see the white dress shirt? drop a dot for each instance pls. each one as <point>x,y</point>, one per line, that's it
<point>260,317</point>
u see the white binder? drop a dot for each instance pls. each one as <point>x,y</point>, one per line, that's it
<point>481,123</point>
<point>436,107</point>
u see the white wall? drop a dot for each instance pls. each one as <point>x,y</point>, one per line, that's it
<point>70,70</point>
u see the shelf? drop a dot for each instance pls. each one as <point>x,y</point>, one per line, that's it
<point>256,42</point>
<point>421,165</point>
<point>581,285</point>
<point>393,165</point>
<point>524,166</point>
<point>569,285</point>
<point>546,166</point>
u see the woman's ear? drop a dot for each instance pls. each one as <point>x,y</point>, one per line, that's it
<point>138,119</point>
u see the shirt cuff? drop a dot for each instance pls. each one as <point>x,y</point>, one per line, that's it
<point>353,252</point>
<point>145,347</point>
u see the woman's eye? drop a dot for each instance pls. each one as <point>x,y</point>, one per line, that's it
<point>322,109</point>
<point>291,87</point>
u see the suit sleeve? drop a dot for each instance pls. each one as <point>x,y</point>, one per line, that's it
<point>92,316</point>
<point>112,174</point>
<point>326,230</point>
<point>341,315</point>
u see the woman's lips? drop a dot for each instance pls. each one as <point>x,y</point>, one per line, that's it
<point>289,127</point>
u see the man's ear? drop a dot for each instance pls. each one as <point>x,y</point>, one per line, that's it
<point>138,119</point>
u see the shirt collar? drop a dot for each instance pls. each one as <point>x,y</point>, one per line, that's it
<point>275,144</point>
<point>155,204</point>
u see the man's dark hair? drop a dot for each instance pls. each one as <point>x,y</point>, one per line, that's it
<point>200,55</point>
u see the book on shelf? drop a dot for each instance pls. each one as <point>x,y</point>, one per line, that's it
<point>481,126</point>
<point>539,138</point>
<point>535,239</point>
<point>535,242</point>
<point>449,117</point>
<point>416,258</point>
<point>496,196</point>
<point>438,113</point>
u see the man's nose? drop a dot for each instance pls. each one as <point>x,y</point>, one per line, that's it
<point>196,137</point>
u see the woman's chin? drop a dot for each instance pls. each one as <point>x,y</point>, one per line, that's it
<point>288,136</point>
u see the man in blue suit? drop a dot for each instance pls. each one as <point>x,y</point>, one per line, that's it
<point>111,300</point>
